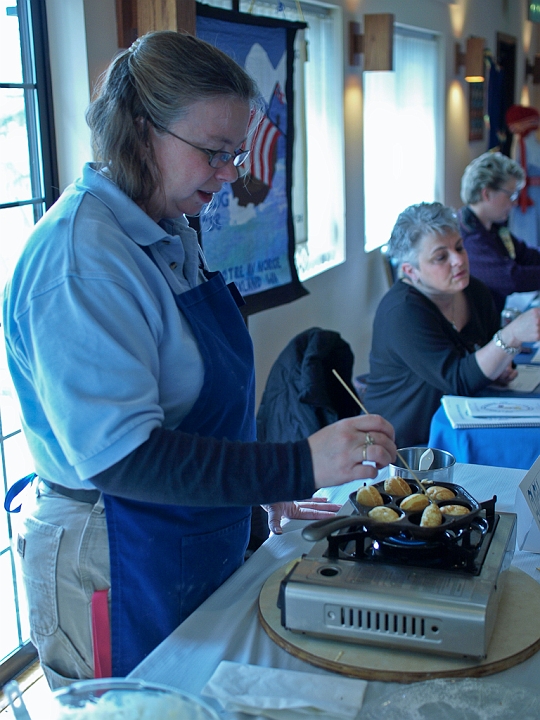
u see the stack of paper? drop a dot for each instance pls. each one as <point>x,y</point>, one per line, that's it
<point>463,412</point>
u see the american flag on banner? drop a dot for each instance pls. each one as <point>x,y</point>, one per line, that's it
<point>263,147</point>
<point>262,143</point>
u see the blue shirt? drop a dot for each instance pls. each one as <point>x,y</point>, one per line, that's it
<point>84,283</point>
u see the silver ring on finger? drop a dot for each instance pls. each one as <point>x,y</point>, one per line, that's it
<point>369,440</point>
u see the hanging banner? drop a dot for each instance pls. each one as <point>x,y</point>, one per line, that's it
<point>248,233</point>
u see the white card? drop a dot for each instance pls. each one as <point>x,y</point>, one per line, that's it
<point>530,488</point>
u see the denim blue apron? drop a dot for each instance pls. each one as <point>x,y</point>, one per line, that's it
<point>166,559</point>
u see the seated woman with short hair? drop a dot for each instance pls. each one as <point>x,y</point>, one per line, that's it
<point>436,331</point>
<point>490,187</point>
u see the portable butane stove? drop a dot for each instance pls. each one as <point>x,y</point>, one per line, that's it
<point>398,585</point>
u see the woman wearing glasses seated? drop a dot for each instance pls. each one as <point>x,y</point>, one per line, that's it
<point>436,331</point>
<point>490,188</point>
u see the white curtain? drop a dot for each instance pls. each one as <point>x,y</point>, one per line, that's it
<point>400,137</point>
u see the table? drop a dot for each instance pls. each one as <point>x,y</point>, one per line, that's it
<point>226,626</point>
<point>516,447</point>
<point>528,354</point>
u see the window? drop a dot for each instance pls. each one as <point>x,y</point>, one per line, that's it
<point>319,166</point>
<point>319,152</point>
<point>28,185</point>
<point>402,143</point>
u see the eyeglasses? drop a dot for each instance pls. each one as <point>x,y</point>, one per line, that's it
<point>511,196</point>
<point>216,158</point>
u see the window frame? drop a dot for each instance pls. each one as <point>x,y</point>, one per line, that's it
<point>45,191</point>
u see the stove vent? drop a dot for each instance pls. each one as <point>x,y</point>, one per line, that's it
<point>380,622</point>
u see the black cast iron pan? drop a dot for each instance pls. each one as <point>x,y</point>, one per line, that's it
<point>408,523</point>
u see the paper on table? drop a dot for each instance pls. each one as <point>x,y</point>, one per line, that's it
<point>284,694</point>
<point>502,407</point>
<point>521,301</point>
<point>459,415</point>
<point>529,354</point>
<point>527,379</point>
<point>528,532</point>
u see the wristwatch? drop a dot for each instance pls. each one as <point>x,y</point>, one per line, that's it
<point>497,339</point>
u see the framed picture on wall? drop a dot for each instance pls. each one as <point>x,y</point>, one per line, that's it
<point>249,233</point>
<point>476,111</point>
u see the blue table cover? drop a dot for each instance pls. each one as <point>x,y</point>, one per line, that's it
<point>513,447</point>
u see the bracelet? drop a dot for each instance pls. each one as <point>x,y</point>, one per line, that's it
<point>497,339</point>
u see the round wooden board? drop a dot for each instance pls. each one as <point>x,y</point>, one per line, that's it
<point>515,638</point>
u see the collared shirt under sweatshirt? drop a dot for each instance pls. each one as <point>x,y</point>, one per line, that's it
<point>106,367</point>
<point>491,262</point>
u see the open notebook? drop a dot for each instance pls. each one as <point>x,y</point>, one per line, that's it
<point>463,412</point>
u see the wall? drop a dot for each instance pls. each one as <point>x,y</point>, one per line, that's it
<point>344,298</point>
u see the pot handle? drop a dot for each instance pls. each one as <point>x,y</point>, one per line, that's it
<point>322,528</point>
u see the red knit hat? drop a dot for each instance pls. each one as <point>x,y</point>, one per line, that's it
<point>522,120</point>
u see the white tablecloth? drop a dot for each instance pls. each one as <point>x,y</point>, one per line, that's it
<point>226,626</point>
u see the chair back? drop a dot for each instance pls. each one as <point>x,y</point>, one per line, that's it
<point>390,266</point>
<point>302,395</point>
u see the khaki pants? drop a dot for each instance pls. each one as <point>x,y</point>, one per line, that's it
<point>64,557</point>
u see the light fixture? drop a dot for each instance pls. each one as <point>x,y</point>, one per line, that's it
<point>376,44</point>
<point>533,69</point>
<point>472,58</point>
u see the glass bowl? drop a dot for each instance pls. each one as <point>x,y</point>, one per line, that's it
<point>120,699</point>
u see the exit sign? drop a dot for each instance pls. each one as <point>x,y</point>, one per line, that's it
<point>534,11</point>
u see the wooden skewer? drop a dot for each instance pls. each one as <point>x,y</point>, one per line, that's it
<point>362,407</point>
<point>348,389</point>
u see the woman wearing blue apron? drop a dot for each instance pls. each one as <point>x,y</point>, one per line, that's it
<point>135,374</point>
<point>203,545</point>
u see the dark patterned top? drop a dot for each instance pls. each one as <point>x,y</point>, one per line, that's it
<point>490,258</point>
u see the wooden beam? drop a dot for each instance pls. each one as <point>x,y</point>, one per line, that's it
<point>186,16</point>
<point>165,15</point>
<point>126,22</point>
<point>156,15</point>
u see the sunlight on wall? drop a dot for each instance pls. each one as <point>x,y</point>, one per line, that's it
<point>457,105</point>
<point>457,17</point>
<point>457,154</point>
<point>527,35</point>
<point>353,103</point>
<point>525,98</point>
